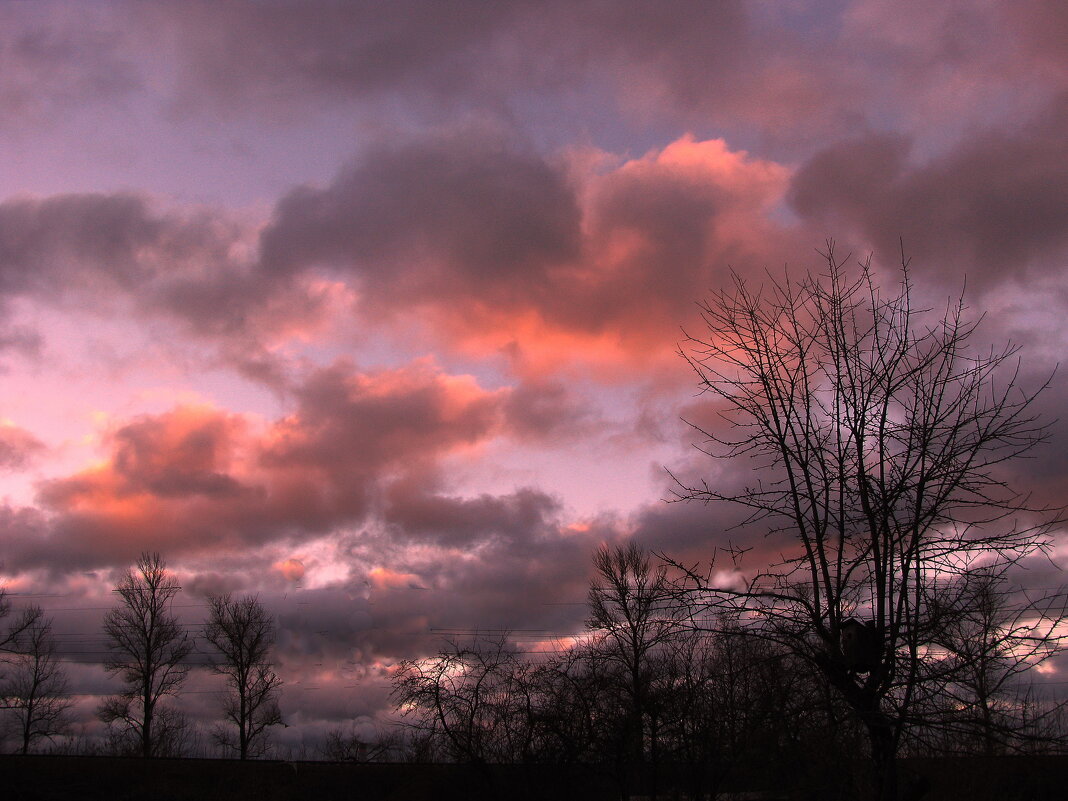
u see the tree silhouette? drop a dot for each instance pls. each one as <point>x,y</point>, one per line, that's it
<point>242,634</point>
<point>880,438</point>
<point>35,689</point>
<point>632,615</point>
<point>468,699</point>
<point>991,638</point>
<point>18,625</point>
<point>148,649</point>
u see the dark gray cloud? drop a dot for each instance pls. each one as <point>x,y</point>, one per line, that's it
<point>450,215</point>
<point>275,52</point>
<point>102,243</point>
<point>61,242</point>
<point>1042,29</point>
<point>547,411</point>
<point>19,525</point>
<point>88,251</point>
<point>51,65</point>
<point>462,522</point>
<point>456,50</point>
<point>486,236</point>
<point>994,208</point>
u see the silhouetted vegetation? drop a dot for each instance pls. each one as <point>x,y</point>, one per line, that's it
<point>148,650</point>
<point>659,705</point>
<point>35,686</point>
<point>654,699</point>
<point>880,437</point>
<point>241,635</point>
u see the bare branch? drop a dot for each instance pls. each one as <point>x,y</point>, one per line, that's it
<point>880,439</point>
<point>148,650</point>
<point>242,634</point>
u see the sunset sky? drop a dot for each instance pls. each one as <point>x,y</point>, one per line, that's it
<point>374,308</point>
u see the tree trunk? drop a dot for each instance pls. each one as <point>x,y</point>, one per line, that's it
<point>27,726</point>
<point>883,757</point>
<point>654,757</point>
<point>146,730</point>
<point>242,725</point>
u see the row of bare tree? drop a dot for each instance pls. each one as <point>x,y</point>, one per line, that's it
<point>664,698</point>
<point>149,649</point>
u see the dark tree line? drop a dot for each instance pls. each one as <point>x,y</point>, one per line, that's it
<point>664,702</point>
<point>149,649</point>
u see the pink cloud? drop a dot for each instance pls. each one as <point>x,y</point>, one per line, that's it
<point>18,447</point>
<point>291,569</point>
<point>198,478</point>
<point>496,248</point>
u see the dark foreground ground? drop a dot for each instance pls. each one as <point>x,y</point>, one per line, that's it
<point>57,778</point>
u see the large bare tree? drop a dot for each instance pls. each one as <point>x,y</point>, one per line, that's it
<point>242,634</point>
<point>149,648</point>
<point>879,438</point>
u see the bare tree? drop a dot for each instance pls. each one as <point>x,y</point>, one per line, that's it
<point>469,699</point>
<point>35,689</point>
<point>991,638</point>
<point>881,439</point>
<point>568,693</point>
<point>349,745</point>
<point>149,648</point>
<point>11,635</point>
<point>173,735</point>
<point>18,625</point>
<point>242,634</point>
<point>633,613</point>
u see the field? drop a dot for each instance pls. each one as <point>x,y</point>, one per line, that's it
<point>57,778</point>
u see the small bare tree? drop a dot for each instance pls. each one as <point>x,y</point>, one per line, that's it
<point>880,437</point>
<point>11,636</point>
<point>35,689</point>
<point>470,700</point>
<point>149,648</point>
<point>991,638</point>
<point>349,745</point>
<point>242,634</point>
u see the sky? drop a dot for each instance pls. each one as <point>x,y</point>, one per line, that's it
<point>374,309</point>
